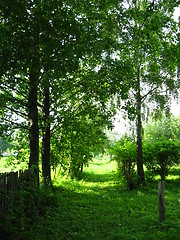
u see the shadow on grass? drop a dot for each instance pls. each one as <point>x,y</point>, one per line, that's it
<point>173,179</point>
<point>172,185</point>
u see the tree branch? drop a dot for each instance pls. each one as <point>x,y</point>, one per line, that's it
<point>21,114</point>
<point>143,98</point>
<point>14,125</point>
<point>11,98</point>
<point>70,116</point>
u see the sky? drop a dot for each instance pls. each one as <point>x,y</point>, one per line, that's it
<point>177,13</point>
<point>175,108</point>
<point>120,123</point>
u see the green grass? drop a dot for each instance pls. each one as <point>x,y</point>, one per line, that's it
<point>98,207</point>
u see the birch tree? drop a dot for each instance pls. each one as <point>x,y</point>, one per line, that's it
<point>141,60</point>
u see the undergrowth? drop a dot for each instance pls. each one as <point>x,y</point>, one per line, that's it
<point>30,206</point>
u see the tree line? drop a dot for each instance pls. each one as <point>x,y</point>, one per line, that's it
<point>67,66</point>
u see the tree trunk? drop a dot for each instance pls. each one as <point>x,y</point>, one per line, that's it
<point>82,165</point>
<point>33,124</point>
<point>34,66</point>
<point>46,170</point>
<point>129,177</point>
<point>140,169</point>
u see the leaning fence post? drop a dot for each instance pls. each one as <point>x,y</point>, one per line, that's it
<point>161,197</point>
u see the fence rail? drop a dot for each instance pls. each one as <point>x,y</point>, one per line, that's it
<point>10,184</point>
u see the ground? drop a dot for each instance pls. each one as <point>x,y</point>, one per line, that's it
<point>99,207</point>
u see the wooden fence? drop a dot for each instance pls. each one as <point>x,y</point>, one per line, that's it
<point>10,185</point>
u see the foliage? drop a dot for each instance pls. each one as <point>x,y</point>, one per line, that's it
<point>124,149</point>
<point>160,156</point>
<point>18,152</point>
<point>4,145</point>
<point>142,60</point>
<point>20,146</point>
<point>124,152</point>
<point>164,128</point>
<point>79,139</point>
<point>80,53</point>
<point>66,42</point>
<point>161,145</point>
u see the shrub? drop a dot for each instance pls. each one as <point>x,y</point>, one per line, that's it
<point>124,152</point>
<point>160,156</point>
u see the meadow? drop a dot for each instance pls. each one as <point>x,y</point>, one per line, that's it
<point>100,207</point>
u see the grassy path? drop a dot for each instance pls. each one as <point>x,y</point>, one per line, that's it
<point>98,208</point>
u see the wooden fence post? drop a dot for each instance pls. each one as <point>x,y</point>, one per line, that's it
<point>4,189</point>
<point>161,197</point>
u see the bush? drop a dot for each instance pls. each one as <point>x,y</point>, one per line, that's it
<point>159,156</point>
<point>161,145</point>
<point>124,152</point>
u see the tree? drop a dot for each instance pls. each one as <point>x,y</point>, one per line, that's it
<point>22,64</point>
<point>124,152</point>
<point>81,134</point>
<point>164,128</point>
<point>161,152</point>
<point>161,145</point>
<point>160,156</point>
<point>46,44</point>
<point>143,50</point>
